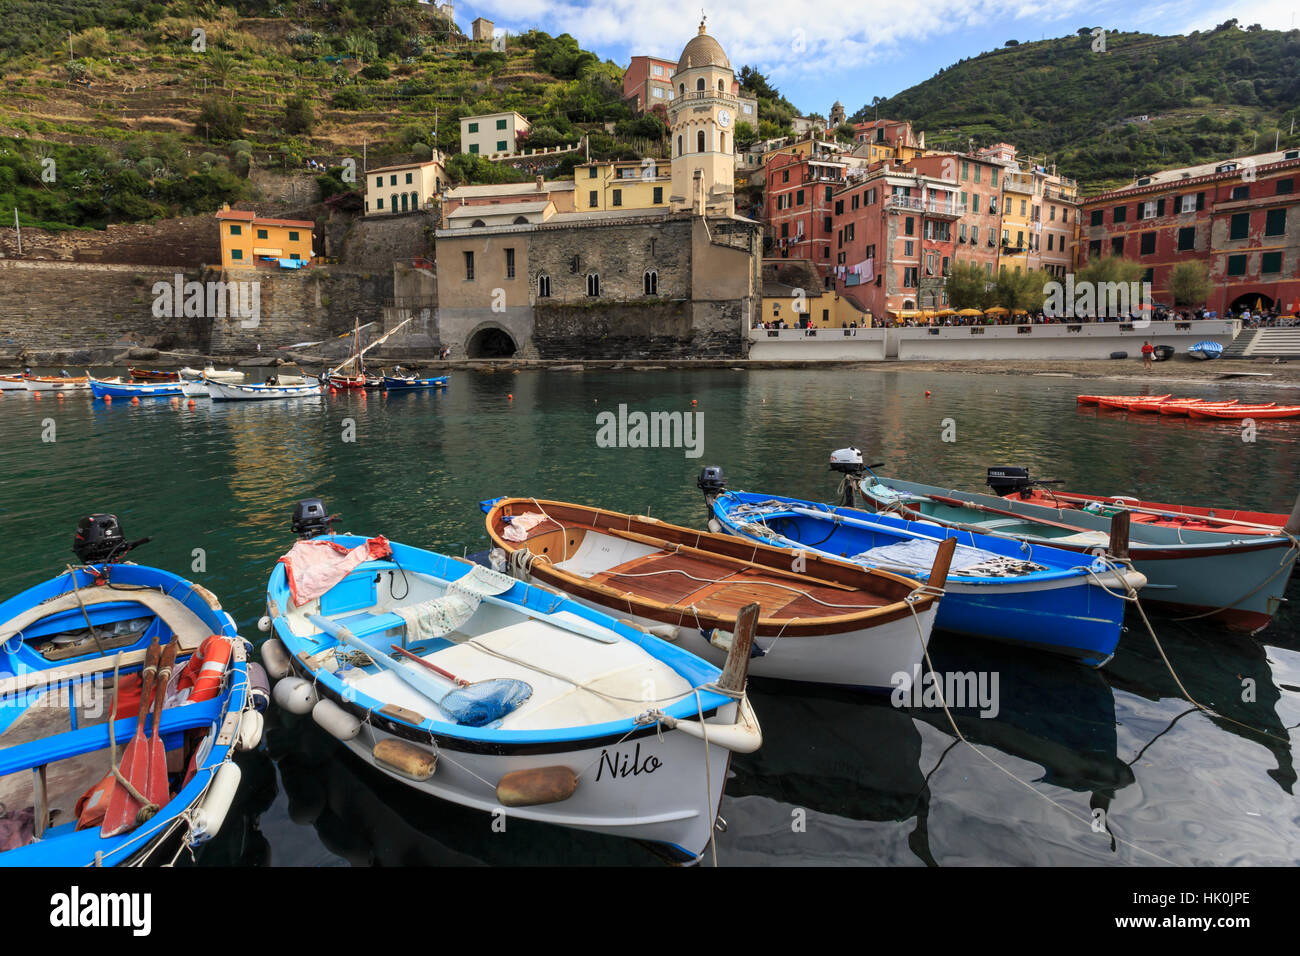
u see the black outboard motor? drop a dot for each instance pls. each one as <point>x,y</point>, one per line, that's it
<point>1008,480</point>
<point>713,483</point>
<point>311,518</point>
<point>99,540</point>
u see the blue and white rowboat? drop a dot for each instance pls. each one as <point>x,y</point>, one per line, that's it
<point>55,707</point>
<point>105,389</point>
<point>1208,349</point>
<point>610,736</point>
<point>1038,596</point>
<point>401,383</point>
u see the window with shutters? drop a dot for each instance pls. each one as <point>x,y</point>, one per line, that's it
<point>1120,214</point>
<point>1239,226</point>
<point>469,265</point>
<point>1270,262</point>
<point>1285,186</point>
<point>1148,245</point>
<point>1186,238</point>
<point>1240,192</point>
<point>1094,217</point>
<point>510,263</point>
<point>1275,222</point>
<point>1117,246</point>
<point>1236,265</point>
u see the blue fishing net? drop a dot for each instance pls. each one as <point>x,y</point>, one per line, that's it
<point>485,701</point>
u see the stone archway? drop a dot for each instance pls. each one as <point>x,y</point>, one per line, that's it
<point>490,341</point>
<point>1251,300</point>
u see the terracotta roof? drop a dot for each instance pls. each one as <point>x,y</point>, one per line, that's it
<point>237,214</point>
<point>243,215</point>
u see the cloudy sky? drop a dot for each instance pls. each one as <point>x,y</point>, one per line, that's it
<point>818,51</point>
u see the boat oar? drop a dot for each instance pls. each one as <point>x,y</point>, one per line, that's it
<point>156,788</point>
<point>429,664</point>
<point>123,806</point>
<point>474,705</point>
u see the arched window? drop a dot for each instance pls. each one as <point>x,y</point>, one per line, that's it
<point>722,142</point>
<point>679,144</point>
<point>651,282</point>
<point>543,286</point>
<point>593,284</point>
<point>520,221</point>
<point>699,84</point>
<point>721,88</point>
<point>681,88</point>
<point>415,200</point>
<point>404,201</point>
<point>699,141</point>
<point>477,222</point>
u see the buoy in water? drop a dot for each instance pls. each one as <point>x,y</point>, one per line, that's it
<point>335,720</point>
<point>295,695</point>
<point>694,402</point>
<point>510,396</point>
<point>191,404</point>
<point>135,400</point>
<point>927,393</point>
<point>59,396</point>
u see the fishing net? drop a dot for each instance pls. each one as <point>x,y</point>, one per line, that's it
<point>485,701</point>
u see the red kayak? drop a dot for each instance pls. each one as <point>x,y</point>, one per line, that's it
<point>1168,408</point>
<point>1160,514</point>
<point>1238,412</point>
<point>1126,402</point>
<point>1154,405</point>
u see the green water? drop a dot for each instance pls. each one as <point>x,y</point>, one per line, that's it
<point>841,778</point>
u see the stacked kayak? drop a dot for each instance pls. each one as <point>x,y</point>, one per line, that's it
<point>1238,412</point>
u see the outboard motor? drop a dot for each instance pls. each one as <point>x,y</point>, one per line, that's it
<point>97,539</point>
<point>1008,480</point>
<point>311,518</point>
<point>713,483</point>
<point>848,462</point>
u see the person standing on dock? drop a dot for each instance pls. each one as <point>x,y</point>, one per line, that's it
<point>1148,350</point>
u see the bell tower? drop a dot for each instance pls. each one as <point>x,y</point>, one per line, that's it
<point>702,122</point>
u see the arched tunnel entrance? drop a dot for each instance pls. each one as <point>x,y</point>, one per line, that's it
<point>490,342</point>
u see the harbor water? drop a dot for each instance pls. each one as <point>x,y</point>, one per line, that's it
<point>1069,765</point>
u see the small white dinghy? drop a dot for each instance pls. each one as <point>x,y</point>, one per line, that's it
<point>470,686</point>
<point>224,392</point>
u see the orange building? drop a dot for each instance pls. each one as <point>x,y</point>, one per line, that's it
<point>249,241</point>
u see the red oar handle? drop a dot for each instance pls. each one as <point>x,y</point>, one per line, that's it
<point>433,667</point>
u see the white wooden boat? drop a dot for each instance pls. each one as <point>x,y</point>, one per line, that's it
<point>614,731</point>
<point>230,375</point>
<point>12,383</point>
<point>57,383</point>
<point>197,389</point>
<point>225,392</point>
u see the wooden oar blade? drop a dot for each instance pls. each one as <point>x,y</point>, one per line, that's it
<point>156,778</point>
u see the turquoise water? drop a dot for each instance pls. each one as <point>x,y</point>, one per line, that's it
<point>841,778</point>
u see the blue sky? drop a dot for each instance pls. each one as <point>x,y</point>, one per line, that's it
<point>818,51</point>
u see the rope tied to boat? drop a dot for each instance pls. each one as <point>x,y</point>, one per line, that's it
<point>147,809</point>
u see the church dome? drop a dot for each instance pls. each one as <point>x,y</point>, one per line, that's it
<point>703,50</point>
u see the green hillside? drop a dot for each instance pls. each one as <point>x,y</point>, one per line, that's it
<point>1206,96</point>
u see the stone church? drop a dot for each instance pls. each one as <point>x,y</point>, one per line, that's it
<point>680,280</point>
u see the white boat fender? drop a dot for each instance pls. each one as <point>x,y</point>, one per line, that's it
<point>335,720</point>
<point>722,641</point>
<point>742,737</point>
<point>259,686</point>
<point>665,632</point>
<point>264,624</point>
<point>405,759</point>
<point>715,526</point>
<point>275,658</point>
<point>210,814</point>
<point>295,695</point>
<point>250,730</point>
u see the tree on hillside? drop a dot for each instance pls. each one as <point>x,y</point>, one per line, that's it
<point>222,66</point>
<point>299,117</point>
<point>219,119</point>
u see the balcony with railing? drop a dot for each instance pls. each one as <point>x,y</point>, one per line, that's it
<point>934,207</point>
<point>1018,183</point>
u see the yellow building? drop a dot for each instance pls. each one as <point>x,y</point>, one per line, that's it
<point>640,184</point>
<point>1017,221</point>
<point>407,187</point>
<point>249,241</point>
<point>826,310</point>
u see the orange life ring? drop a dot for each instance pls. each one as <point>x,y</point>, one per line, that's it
<point>203,673</point>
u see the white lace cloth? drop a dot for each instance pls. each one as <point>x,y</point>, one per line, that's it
<point>443,615</point>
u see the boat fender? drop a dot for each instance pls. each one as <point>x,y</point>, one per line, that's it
<point>722,641</point>
<point>742,737</point>
<point>276,659</point>
<point>259,687</point>
<point>211,812</point>
<point>335,720</point>
<point>295,695</point>
<point>250,731</point>
<point>665,632</point>
<point>405,759</point>
<point>538,785</point>
<point>715,526</point>
<point>264,624</point>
